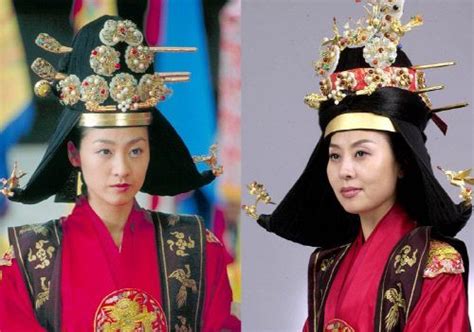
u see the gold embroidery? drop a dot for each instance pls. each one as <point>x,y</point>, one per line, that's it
<point>41,254</point>
<point>398,302</point>
<point>182,325</point>
<point>130,310</point>
<point>326,264</point>
<point>36,228</point>
<point>403,259</point>
<point>128,315</point>
<point>7,258</point>
<point>442,258</point>
<point>172,219</point>
<point>181,244</point>
<point>210,237</point>
<point>43,296</point>
<point>338,325</point>
<point>186,282</point>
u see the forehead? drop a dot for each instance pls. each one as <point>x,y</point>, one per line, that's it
<point>349,137</point>
<point>117,135</point>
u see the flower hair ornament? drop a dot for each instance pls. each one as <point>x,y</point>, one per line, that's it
<point>379,35</point>
<point>128,93</point>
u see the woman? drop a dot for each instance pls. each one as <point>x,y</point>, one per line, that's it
<point>111,265</point>
<point>368,198</point>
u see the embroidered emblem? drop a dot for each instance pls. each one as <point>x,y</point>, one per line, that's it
<point>326,263</point>
<point>129,310</point>
<point>7,258</point>
<point>212,238</point>
<point>43,296</point>
<point>181,244</point>
<point>41,254</point>
<point>443,258</point>
<point>403,259</point>
<point>182,325</point>
<point>37,228</point>
<point>395,297</point>
<point>338,325</point>
<point>184,277</point>
<point>173,219</point>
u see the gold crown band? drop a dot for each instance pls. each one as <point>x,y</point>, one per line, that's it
<point>353,121</point>
<point>130,119</point>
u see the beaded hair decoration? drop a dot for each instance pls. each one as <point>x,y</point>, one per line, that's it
<point>104,60</point>
<point>379,35</point>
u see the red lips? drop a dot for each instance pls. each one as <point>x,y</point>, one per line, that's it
<point>121,187</point>
<point>349,192</point>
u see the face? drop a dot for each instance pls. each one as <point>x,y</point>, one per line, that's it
<point>113,162</point>
<point>363,172</point>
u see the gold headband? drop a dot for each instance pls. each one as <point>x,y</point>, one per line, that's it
<point>125,119</point>
<point>352,121</point>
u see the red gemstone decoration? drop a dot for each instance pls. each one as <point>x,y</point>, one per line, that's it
<point>94,52</point>
<point>134,51</point>
<point>85,83</point>
<point>117,66</point>
<point>102,91</point>
<point>162,98</point>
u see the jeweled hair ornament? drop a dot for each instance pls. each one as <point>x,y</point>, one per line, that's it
<point>128,93</point>
<point>379,37</point>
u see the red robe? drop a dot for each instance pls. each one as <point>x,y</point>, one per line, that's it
<point>93,267</point>
<point>352,298</point>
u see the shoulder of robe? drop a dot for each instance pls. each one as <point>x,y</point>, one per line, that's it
<point>7,257</point>
<point>6,260</point>
<point>212,238</point>
<point>442,258</point>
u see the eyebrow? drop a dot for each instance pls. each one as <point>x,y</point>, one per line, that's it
<point>356,143</point>
<point>107,141</point>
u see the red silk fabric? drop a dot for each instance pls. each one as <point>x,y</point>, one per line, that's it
<point>93,267</point>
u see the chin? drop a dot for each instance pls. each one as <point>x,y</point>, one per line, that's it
<point>352,207</point>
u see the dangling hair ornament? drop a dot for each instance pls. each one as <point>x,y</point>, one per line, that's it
<point>211,160</point>
<point>12,182</point>
<point>461,179</point>
<point>261,195</point>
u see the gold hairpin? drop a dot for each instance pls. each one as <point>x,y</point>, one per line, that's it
<point>12,182</point>
<point>46,71</point>
<point>50,44</point>
<point>211,160</point>
<point>181,76</point>
<point>461,179</point>
<point>434,65</point>
<point>449,107</point>
<point>430,88</point>
<point>261,195</point>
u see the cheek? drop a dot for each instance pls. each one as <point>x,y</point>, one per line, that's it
<point>331,172</point>
<point>93,168</point>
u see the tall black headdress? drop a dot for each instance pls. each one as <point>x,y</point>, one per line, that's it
<point>106,79</point>
<point>368,83</point>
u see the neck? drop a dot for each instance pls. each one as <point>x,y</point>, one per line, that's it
<point>114,217</point>
<point>369,220</point>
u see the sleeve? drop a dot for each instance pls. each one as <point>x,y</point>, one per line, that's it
<point>16,310</point>
<point>218,296</point>
<point>442,306</point>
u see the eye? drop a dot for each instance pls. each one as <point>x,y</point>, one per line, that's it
<point>104,152</point>
<point>360,153</point>
<point>333,156</point>
<point>136,152</point>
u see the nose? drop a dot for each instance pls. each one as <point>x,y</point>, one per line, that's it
<point>121,168</point>
<point>346,170</point>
